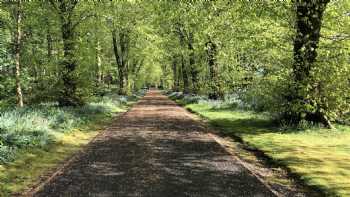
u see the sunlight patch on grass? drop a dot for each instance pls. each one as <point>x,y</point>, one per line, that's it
<point>32,163</point>
<point>320,156</point>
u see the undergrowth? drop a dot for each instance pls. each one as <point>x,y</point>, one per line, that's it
<point>38,125</point>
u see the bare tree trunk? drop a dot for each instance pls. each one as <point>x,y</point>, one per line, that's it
<point>99,62</point>
<point>18,42</point>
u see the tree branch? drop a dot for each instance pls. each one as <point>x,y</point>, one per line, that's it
<point>54,5</point>
<point>82,18</point>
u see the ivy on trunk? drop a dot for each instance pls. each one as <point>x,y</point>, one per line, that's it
<point>308,26</point>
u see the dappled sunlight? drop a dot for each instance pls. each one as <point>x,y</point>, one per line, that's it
<point>321,157</point>
<point>156,150</point>
<point>267,75</point>
<point>32,163</point>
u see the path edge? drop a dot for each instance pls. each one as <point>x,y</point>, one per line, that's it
<point>39,184</point>
<point>310,190</point>
<point>212,133</point>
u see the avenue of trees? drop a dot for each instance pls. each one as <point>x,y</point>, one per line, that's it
<point>290,58</point>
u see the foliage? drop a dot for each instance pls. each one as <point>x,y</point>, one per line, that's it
<point>211,48</point>
<point>288,58</point>
<point>255,55</point>
<point>37,126</point>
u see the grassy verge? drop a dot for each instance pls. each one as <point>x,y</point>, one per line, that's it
<point>33,163</point>
<point>37,139</point>
<point>320,157</point>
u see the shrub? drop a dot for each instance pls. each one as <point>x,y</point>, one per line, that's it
<point>192,98</point>
<point>6,153</point>
<point>176,95</point>
<point>35,126</point>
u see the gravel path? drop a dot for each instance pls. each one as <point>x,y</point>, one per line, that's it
<point>156,149</point>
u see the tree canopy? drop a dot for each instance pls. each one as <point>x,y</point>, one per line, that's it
<point>290,58</point>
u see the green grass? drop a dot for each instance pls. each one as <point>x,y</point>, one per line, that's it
<point>34,162</point>
<point>38,126</point>
<point>319,156</point>
<point>36,139</point>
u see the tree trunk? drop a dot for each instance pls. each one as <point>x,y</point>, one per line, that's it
<point>49,46</point>
<point>215,86</point>
<point>194,71</point>
<point>308,26</point>
<point>68,95</point>
<point>119,63</point>
<point>184,76</point>
<point>49,41</point>
<point>176,83</point>
<point>98,62</point>
<point>126,78</point>
<point>18,43</point>
<point>121,53</point>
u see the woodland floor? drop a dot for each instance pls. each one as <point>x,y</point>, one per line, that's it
<point>155,149</point>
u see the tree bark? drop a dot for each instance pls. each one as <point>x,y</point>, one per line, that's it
<point>18,43</point>
<point>185,79</point>
<point>194,71</point>
<point>176,82</point>
<point>184,71</point>
<point>98,62</point>
<point>308,24</point>
<point>49,40</point>
<point>119,62</point>
<point>68,94</point>
<point>121,52</point>
<point>215,86</point>
<point>126,77</point>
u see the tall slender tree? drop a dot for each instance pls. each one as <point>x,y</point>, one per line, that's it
<point>18,45</point>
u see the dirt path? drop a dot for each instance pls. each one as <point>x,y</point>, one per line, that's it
<point>156,149</point>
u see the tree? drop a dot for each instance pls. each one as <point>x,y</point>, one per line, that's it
<point>18,43</point>
<point>215,86</point>
<point>121,45</point>
<point>293,63</point>
<point>309,15</point>
<point>68,94</point>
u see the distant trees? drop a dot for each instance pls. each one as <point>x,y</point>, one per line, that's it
<point>123,39</point>
<point>274,56</point>
<point>61,51</point>
<point>290,58</point>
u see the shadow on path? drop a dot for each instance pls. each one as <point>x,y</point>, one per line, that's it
<point>155,150</point>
